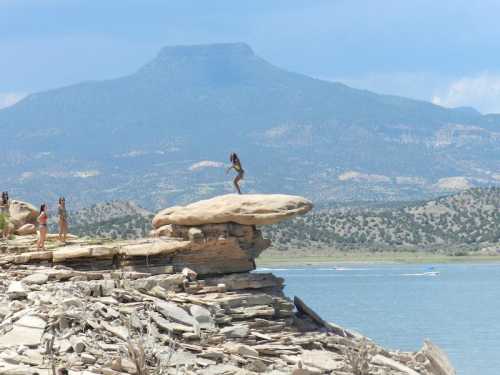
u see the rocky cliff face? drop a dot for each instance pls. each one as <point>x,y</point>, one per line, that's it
<point>111,314</point>
<point>215,236</point>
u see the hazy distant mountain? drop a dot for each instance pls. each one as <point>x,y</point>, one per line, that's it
<point>160,135</point>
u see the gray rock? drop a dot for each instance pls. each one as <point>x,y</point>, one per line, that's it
<point>221,369</point>
<point>392,364</point>
<point>26,331</point>
<point>180,357</point>
<point>87,358</point>
<point>17,290</point>
<point>203,316</point>
<point>171,311</point>
<point>240,349</point>
<point>36,278</point>
<point>238,331</point>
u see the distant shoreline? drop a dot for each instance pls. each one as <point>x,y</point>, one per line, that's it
<point>285,259</point>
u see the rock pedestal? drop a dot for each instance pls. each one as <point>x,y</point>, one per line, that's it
<point>215,236</point>
<point>130,307</point>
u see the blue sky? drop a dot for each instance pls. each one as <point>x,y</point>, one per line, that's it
<point>446,51</point>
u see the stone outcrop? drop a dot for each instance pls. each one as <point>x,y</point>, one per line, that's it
<point>116,323</point>
<point>249,209</point>
<point>215,236</point>
<point>132,307</point>
<point>21,213</point>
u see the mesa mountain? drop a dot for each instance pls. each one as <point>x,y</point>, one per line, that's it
<point>163,134</point>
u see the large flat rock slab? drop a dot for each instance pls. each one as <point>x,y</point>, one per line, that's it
<point>26,331</point>
<point>249,209</point>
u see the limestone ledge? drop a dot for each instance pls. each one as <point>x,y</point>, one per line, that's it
<point>207,249</point>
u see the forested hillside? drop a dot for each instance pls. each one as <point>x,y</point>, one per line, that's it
<point>468,218</point>
<point>116,220</point>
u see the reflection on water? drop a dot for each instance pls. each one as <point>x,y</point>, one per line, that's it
<point>456,306</point>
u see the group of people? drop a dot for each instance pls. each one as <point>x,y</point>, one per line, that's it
<point>43,215</point>
<point>42,219</point>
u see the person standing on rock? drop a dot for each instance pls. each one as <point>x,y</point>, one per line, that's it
<point>42,222</point>
<point>63,219</point>
<point>236,165</point>
<point>4,211</point>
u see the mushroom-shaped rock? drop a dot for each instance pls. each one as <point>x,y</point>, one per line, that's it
<point>248,209</point>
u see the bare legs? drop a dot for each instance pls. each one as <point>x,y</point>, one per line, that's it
<point>40,245</point>
<point>63,230</point>
<point>236,181</point>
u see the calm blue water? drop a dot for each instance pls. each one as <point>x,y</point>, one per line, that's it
<point>459,310</point>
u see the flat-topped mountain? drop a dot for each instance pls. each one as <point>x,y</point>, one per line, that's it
<point>160,135</point>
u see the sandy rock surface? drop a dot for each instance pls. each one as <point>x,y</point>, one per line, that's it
<point>22,213</point>
<point>248,209</point>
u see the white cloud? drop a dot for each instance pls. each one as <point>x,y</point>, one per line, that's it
<point>481,92</point>
<point>86,174</point>
<point>10,98</point>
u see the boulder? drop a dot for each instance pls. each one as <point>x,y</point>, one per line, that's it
<point>26,331</point>
<point>202,315</point>
<point>22,213</point>
<point>237,331</point>
<point>251,209</point>
<point>171,311</point>
<point>26,230</point>
<point>17,290</point>
<point>36,278</point>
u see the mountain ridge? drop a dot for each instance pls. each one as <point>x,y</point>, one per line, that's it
<point>194,103</point>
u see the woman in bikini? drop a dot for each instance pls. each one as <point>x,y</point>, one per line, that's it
<point>63,219</point>
<point>236,165</point>
<point>42,222</point>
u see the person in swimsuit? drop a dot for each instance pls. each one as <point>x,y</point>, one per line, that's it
<point>42,222</point>
<point>63,219</point>
<point>4,211</point>
<point>236,165</point>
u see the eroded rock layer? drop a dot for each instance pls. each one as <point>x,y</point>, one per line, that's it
<point>207,249</point>
<point>214,236</point>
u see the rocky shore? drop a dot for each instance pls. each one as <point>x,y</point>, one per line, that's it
<point>182,302</point>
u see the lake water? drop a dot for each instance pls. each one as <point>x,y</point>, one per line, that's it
<point>398,307</point>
